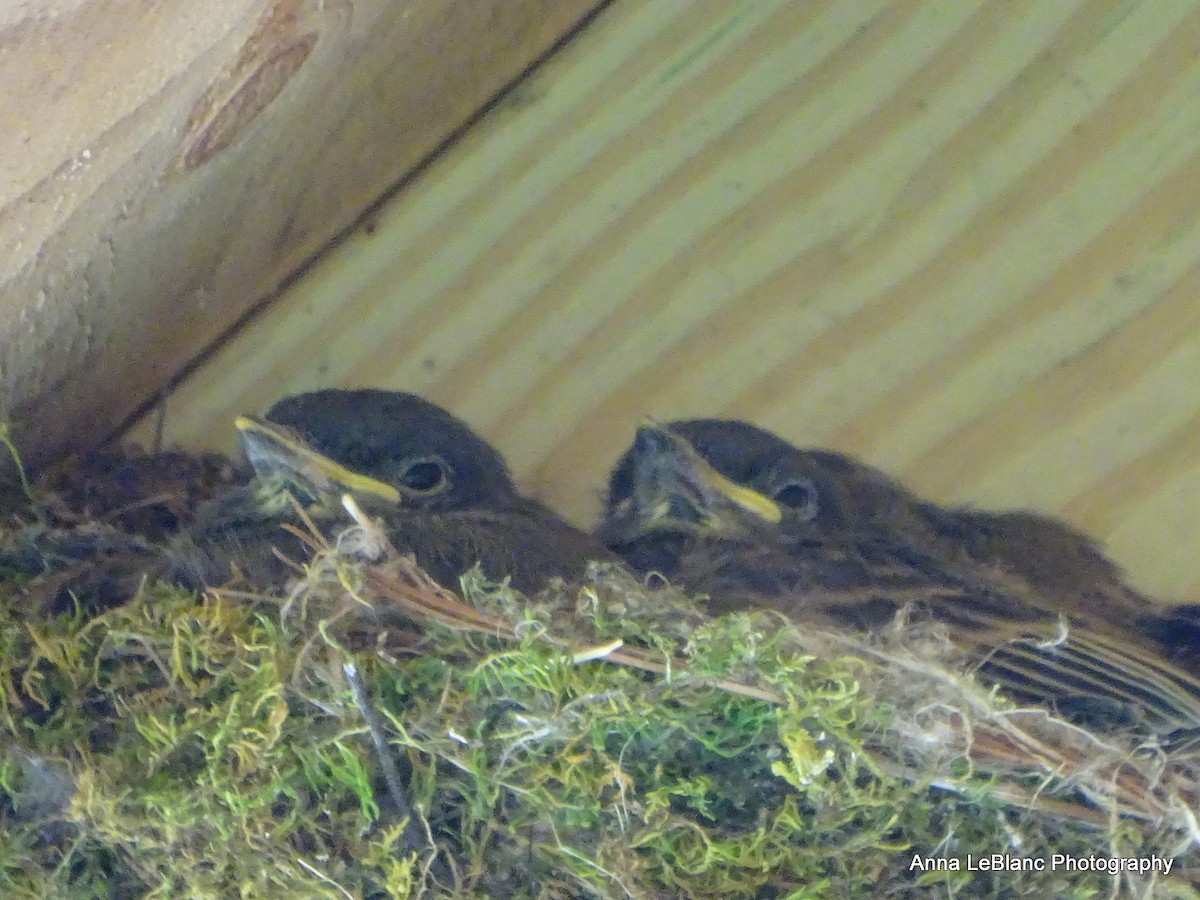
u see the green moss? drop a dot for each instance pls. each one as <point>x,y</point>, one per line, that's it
<point>210,746</point>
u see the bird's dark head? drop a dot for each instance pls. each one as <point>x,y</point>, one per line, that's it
<point>727,478</point>
<point>385,445</point>
<point>663,485</point>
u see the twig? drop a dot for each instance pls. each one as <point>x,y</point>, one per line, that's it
<point>391,774</point>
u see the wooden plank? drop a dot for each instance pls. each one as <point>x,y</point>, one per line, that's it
<point>959,239</point>
<point>165,166</point>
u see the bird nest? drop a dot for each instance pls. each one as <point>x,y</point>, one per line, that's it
<point>370,733</point>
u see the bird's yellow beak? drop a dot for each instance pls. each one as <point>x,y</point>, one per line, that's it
<point>275,449</point>
<point>681,470</point>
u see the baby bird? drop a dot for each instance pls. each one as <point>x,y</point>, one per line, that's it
<point>444,494</point>
<point>733,511</point>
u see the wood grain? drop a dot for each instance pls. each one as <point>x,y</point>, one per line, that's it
<point>166,166</point>
<point>959,239</point>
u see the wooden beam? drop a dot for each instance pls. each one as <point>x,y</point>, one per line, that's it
<point>165,166</point>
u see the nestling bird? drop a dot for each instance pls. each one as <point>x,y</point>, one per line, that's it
<point>735,512</point>
<point>444,494</point>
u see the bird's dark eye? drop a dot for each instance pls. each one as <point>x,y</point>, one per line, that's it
<point>424,476</point>
<point>799,495</point>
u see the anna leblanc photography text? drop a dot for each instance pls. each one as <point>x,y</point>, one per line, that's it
<point>1003,862</point>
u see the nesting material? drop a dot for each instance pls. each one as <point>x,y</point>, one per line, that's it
<point>370,733</point>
